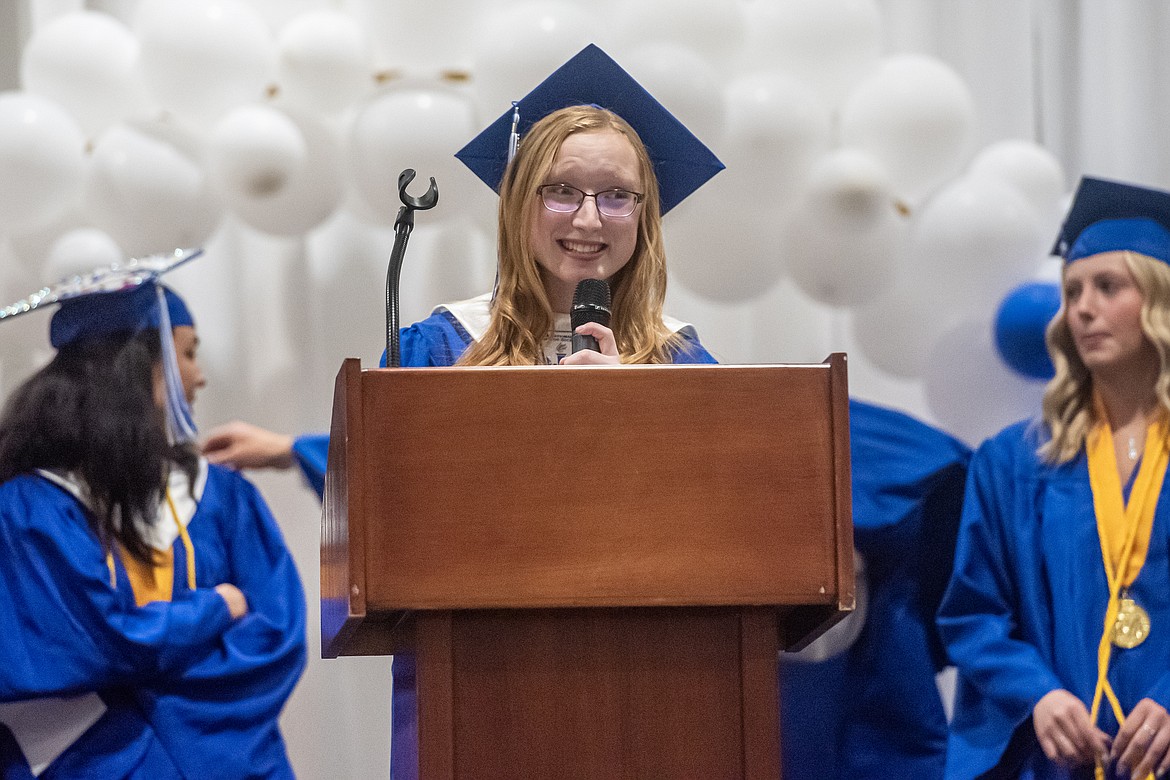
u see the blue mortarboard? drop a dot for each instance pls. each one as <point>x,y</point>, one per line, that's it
<point>681,161</point>
<point>104,313</point>
<point>124,297</point>
<point>1110,216</point>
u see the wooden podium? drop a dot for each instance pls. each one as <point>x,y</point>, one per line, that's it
<point>595,567</point>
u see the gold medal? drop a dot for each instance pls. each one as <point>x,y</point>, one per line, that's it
<point>1132,625</point>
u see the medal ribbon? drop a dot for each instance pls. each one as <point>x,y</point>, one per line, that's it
<point>1124,529</point>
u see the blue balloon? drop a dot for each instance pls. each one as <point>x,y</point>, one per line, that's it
<point>1020,323</point>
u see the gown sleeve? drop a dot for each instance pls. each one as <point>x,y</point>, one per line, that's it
<point>63,629</point>
<point>230,699</point>
<point>311,452</point>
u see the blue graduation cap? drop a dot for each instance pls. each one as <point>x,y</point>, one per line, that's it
<point>1110,216</point>
<point>104,313</point>
<point>681,161</point>
<point>123,297</point>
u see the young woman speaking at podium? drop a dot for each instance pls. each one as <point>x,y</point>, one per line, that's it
<point>598,162</point>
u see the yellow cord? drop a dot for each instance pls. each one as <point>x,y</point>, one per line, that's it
<point>1112,513</point>
<point>187,546</point>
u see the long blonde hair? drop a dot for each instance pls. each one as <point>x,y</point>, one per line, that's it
<point>521,314</point>
<point>1068,398</point>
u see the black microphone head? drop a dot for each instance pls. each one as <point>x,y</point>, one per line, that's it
<point>590,303</point>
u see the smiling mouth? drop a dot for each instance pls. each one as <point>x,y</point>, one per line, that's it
<point>581,247</point>
<point>1093,339</point>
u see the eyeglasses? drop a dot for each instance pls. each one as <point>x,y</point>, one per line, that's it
<point>565,199</point>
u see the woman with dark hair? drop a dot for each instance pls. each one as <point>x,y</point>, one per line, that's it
<point>92,411</point>
<point>151,618</point>
<point>1057,614</point>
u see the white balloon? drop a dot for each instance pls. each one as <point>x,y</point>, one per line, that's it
<point>776,128</point>
<point>710,29</point>
<point>1028,167</point>
<point>916,115</point>
<point>522,43</point>
<point>277,13</point>
<point>32,246</point>
<point>42,161</point>
<point>424,39</point>
<point>421,129</point>
<point>80,251</point>
<point>312,191</point>
<point>203,57</point>
<point>253,151</point>
<point>897,331</point>
<point>828,44</point>
<point>723,244</point>
<point>87,62</point>
<point>973,241</point>
<point>850,187</point>
<point>683,81</point>
<point>147,187</point>
<point>970,390</point>
<point>323,61</point>
<point>844,240</point>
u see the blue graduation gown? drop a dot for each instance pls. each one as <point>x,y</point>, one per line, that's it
<point>874,710</point>
<point>437,341</point>
<point>189,692</point>
<point>1025,607</point>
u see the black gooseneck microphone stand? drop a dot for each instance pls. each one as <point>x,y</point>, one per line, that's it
<point>402,227</point>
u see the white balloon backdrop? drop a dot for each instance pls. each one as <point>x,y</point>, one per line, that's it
<point>914,114</point>
<point>200,58</point>
<point>148,186</point>
<point>42,161</point>
<point>871,203</point>
<point>409,128</point>
<point>89,63</point>
<point>828,46</point>
<point>79,251</point>
<point>311,179</point>
<point>844,160</point>
<point>254,151</point>
<point>323,61</point>
<point>973,241</point>
<point>845,237</point>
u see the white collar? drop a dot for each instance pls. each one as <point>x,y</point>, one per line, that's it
<point>163,530</point>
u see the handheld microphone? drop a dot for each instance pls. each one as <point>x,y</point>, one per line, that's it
<point>590,304</point>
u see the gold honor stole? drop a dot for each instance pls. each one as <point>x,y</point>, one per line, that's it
<point>1124,531</point>
<point>154,581</point>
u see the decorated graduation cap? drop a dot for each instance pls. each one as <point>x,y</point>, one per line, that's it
<point>125,297</point>
<point>1110,216</point>
<point>128,310</point>
<point>681,161</point>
